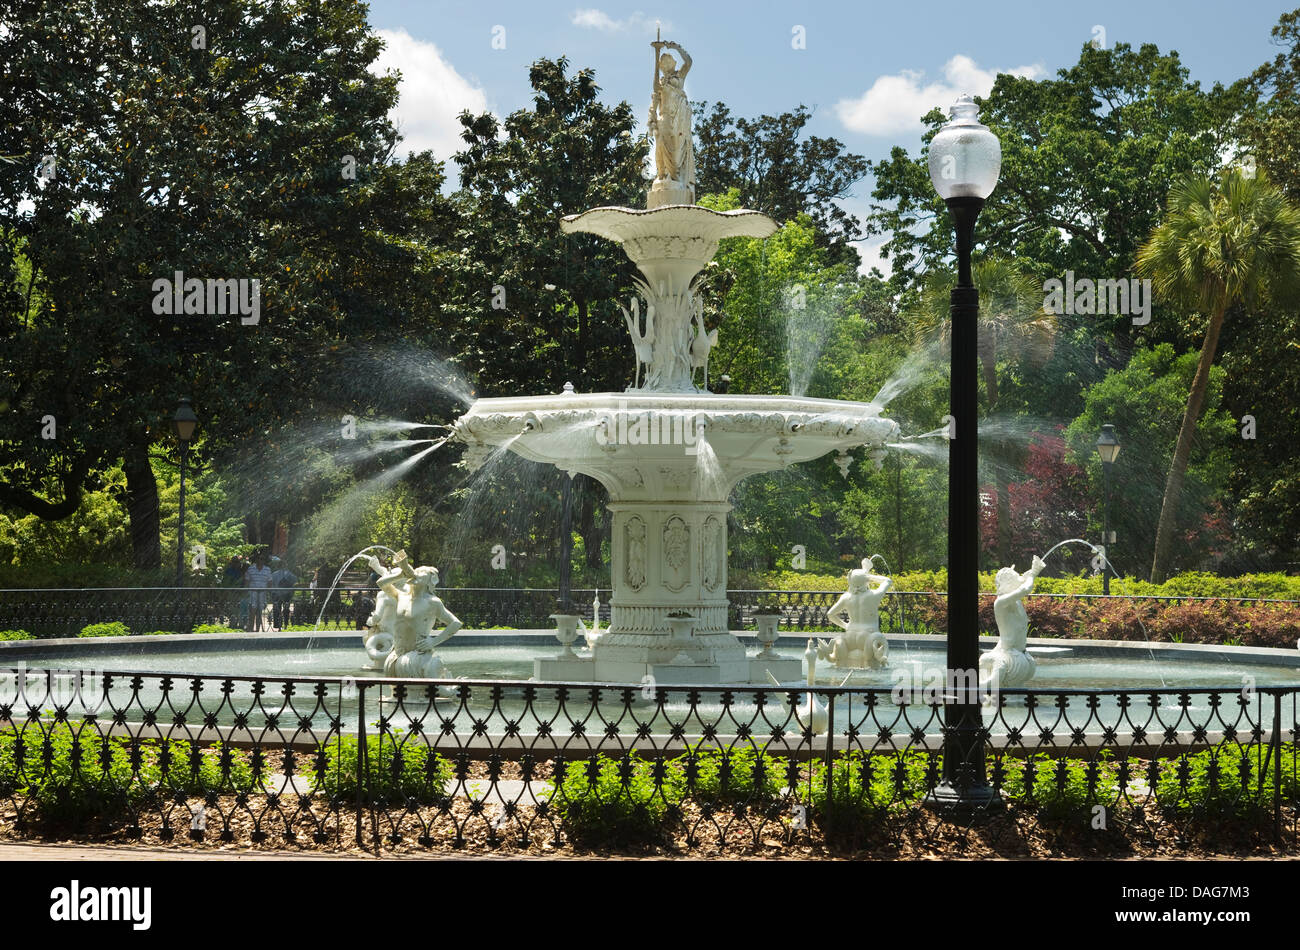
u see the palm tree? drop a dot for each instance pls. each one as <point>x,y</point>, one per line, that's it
<point>1012,324</point>
<point>1228,240</point>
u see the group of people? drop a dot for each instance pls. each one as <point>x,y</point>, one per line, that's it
<point>268,581</point>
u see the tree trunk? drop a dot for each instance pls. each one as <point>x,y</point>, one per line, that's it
<point>142,507</point>
<point>1183,451</point>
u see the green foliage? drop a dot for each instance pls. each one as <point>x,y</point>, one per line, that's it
<point>1059,788</point>
<point>1274,586</point>
<point>74,774</point>
<point>214,628</point>
<point>95,533</point>
<point>1227,780</point>
<point>859,790</point>
<point>195,769</point>
<point>618,802</point>
<point>15,635</point>
<point>399,768</point>
<point>739,776</point>
<point>113,628</point>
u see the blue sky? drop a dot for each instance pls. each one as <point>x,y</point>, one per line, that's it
<point>869,69</point>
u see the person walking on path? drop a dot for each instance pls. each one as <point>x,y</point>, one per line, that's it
<point>257,579</point>
<point>282,581</point>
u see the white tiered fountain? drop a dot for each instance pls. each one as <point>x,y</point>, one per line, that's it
<point>667,451</point>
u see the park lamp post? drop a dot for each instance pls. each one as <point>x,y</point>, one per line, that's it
<point>965,159</point>
<point>184,422</point>
<point>1108,449</point>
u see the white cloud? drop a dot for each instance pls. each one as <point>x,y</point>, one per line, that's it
<point>894,104</point>
<point>432,94</point>
<point>871,257</point>
<point>593,19</point>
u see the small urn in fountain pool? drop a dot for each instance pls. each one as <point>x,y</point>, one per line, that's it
<point>682,625</point>
<point>566,631</point>
<point>767,620</point>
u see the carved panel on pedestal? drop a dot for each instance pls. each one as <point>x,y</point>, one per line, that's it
<point>677,553</point>
<point>635,557</point>
<point>712,554</point>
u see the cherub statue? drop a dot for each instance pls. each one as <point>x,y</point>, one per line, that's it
<point>418,610</point>
<point>670,119</point>
<point>1008,663</point>
<point>862,645</point>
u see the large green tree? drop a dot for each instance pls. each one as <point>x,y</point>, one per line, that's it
<point>1225,241</point>
<point>777,170</point>
<point>249,142</point>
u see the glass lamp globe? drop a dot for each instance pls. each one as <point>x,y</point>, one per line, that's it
<point>185,421</point>
<point>965,157</point>
<point>1107,444</point>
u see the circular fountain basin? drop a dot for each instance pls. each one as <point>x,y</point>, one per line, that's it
<point>693,446</point>
<point>475,718</point>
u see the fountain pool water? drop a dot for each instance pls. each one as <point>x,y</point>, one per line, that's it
<point>479,661</point>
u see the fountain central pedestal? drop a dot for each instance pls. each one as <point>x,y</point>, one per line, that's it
<point>669,462</point>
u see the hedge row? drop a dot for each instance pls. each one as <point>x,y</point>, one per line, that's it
<point>1222,622</point>
<point>1274,586</point>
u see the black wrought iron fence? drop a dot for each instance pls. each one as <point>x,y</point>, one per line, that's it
<point>55,612</point>
<point>426,764</point>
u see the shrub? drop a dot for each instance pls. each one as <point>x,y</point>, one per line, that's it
<point>72,776</point>
<point>863,789</point>
<point>1059,788</point>
<point>741,776</point>
<point>15,635</point>
<point>214,628</point>
<point>69,776</point>
<point>397,769</point>
<point>1225,780</point>
<point>195,769</point>
<point>112,629</point>
<point>620,802</point>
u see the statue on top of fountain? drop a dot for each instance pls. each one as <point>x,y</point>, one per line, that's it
<point>1008,663</point>
<point>862,645</point>
<point>407,610</point>
<point>670,125</point>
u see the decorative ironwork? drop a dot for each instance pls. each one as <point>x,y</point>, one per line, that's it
<point>54,612</point>
<point>384,763</point>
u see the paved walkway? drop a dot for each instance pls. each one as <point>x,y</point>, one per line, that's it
<point>80,852</point>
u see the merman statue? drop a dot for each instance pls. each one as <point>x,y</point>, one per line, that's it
<point>861,645</point>
<point>417,610</point>
<point>1008,663</point>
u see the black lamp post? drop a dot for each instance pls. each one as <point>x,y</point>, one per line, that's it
<point>1108,449</point>
<point>184,422</point>
<point>965,159</point>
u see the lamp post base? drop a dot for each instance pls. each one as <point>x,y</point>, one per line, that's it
<point>964,802</point>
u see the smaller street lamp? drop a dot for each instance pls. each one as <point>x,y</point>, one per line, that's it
<point>1108,448</point>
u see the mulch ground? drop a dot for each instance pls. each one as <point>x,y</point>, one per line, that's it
<point>290,824</point>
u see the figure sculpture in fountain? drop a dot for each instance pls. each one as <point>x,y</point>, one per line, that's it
<point>861,645</point>
<point>417,609</point>
<point>703,342</point>
<point>642,342</point>
<point>670,125</point>
<point>380,625</point>
<point>1008,663</point>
